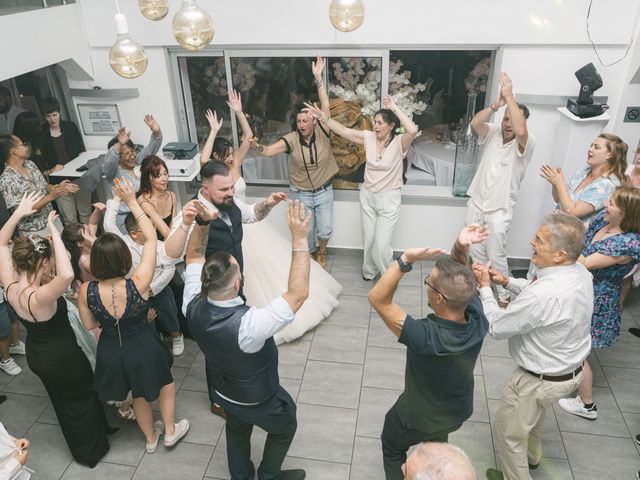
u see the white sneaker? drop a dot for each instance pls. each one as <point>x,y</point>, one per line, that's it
<point>181,429</point>
<point>157,428</point>
<point>10,367</point>
<point>575,406</point>
<point>178,345</point>
<point>18,348</point>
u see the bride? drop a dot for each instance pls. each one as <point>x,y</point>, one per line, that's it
<point>266,251</point>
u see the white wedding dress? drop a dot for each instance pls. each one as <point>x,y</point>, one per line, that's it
<point>267,259</point>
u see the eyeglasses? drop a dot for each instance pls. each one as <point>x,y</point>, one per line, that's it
<point>20,145</point>
<point>426,282</point>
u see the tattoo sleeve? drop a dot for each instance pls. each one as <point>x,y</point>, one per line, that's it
<point>261,210</point>
<point>198,241</point>
<point>460,254</point>
<point>256,147</point>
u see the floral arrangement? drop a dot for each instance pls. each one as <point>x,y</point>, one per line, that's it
<point>216,79</point>
<point>358,79</point>
<point>476,82</point>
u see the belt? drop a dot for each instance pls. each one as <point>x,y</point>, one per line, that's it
<point>324,186</point>
<point>555,378</point>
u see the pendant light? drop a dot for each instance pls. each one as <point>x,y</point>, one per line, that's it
<point>154,9</point>
<point>346,15</point>
<point>192,26</point>
<point>126,57</point>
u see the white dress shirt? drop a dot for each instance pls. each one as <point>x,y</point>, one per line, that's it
<point>496,184</point>
<point>247,213</point>
<point>257,325</point>
<point>548,324</point>
<point>165,265</point>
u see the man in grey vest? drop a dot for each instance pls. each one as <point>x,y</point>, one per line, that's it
<point>241,355</point>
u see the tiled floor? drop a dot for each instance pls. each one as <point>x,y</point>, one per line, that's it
<point>345,375</point>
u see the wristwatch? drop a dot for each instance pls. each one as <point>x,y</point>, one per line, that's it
<point>404,267</point>
<point>200,221</point>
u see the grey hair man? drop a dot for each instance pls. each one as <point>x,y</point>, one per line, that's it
<point>442,349</point>
<point>548,327</point>
<point>438,461</point>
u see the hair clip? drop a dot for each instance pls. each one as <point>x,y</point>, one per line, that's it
<point>39,244</point>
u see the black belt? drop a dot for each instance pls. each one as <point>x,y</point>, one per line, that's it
<point>555,378</point>
<point>324,186</point>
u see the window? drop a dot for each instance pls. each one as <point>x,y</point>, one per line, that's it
<point>430,85</point>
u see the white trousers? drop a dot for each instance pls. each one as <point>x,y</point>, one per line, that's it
<point>494,248</point>
<point>379,212</point>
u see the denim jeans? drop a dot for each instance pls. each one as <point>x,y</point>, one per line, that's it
<point>321,205</point>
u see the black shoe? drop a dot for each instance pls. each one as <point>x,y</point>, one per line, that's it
<point>532,466</point>
<point>634,331</point>
<point>493,474</point>
<point>3,398</point>
<point>638,476</point>
<point>638,439</point>
<point>296,474</point>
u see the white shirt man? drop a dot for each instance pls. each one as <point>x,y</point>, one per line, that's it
<point>494,189</point>
<point>548,327</point>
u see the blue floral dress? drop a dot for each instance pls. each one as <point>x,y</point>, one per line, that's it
<point>596,193</point>
<point>607,282</point>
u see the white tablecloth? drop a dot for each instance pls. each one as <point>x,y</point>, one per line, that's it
<point>438,159</point>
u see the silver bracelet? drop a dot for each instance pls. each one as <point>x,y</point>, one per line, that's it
<point>300,250</point>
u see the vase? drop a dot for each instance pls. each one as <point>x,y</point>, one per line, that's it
<point>466,162</point>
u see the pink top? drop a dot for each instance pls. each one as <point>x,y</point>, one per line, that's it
<point>384,173</point>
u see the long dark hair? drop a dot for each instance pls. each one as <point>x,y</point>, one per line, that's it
<point>71,236</point>
<point>151,166</point>
<point>220,148</point>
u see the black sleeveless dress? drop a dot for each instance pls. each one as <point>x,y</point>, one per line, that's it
<point>167,221</point>
<point>130,356</point>
<point>54,356</point>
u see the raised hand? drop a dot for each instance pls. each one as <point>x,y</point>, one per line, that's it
<point>88,235</point>
<point>422,253</point>
<point>189,213</point>
<point>25,208</point>
<point>212,117</point>
<point>472,234</point>
<point>313,111</point>
<point>506,87</point>
<point>275,198</point>
<point>123,136</point>
<point>552,175</point>
<point>481,272</point>
<point>234,102</point>
<point>298,221</point>
<point>204,213</point>
<point>389,103</point>
<point>498,278</point>
<point>153,124</point>
<point>51,223</point>
<point>317,67</point>
<point>99,206</point>
<point>123,190</point>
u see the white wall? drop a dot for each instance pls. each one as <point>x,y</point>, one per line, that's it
<point>542,43</point>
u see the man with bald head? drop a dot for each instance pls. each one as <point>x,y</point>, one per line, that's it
<point>438,461</point>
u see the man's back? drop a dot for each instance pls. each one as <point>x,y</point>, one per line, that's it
<point>441,357</point>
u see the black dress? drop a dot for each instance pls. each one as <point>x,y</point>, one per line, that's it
<point>130,357</point>
<point>54,356</point>
<point>167,221</point>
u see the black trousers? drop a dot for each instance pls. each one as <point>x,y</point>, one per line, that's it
<point>397,437</point>
<point>276,416</point>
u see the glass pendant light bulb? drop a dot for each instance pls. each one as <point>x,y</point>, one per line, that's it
<point>346,15</point>
<point>192,26</point>
<point>127,58</point>
<point>154,9</point>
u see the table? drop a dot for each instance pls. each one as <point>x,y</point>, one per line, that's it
<point>438,159</point>
<point>177,184</point>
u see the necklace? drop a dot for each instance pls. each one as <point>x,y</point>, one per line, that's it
<point>381,153</point>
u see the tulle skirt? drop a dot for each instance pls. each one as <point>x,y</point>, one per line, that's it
<point>267,259</point>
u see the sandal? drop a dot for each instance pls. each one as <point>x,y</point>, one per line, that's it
<point>127,414</point>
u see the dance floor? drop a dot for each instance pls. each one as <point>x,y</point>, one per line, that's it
<point>345,375</point>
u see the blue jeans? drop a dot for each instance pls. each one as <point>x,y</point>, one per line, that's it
<point>7,317</point>
<point>167,310</point>
<point>321,205</point>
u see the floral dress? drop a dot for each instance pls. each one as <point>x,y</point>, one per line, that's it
<point>607,282</point>
<point>595,194</point>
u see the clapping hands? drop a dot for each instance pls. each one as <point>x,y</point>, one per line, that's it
<point>553,175</point>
